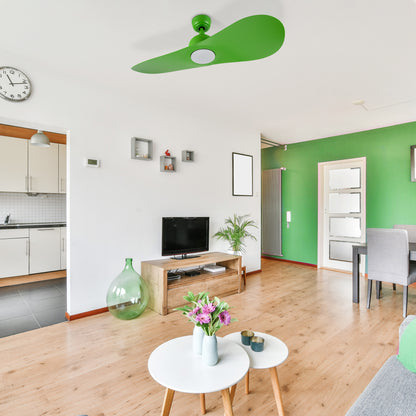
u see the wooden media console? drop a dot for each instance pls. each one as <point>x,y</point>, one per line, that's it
<point>166,295</point>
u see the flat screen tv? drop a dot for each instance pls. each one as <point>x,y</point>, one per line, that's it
<point>184,235</point>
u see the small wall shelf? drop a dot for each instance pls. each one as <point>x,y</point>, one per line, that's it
<point>141,148</point>
<point>167,164</point>
<point>187,156</point>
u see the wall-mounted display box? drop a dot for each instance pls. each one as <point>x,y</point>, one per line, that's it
<point>141,148</point>
<point>167,163</point>
<point>187,156</point>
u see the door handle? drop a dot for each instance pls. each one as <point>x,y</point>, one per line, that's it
<point>45,229</point>
<point>27,247</point>
<point>63,245</point>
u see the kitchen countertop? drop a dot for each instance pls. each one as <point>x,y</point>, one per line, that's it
<point>32,225</point>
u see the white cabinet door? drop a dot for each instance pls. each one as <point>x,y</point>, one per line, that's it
<point>13,164</point>
<point>43,169</point>
<point>45,250</point>
<point>62,168</point>
<point>63,248</point>
<point>14,257</point>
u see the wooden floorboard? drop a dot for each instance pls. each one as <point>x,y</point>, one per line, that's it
<point>97,366</point>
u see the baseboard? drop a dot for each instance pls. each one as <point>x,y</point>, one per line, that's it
<point>31,278</point>
<point>85,314</point>
<point>253,272</point>
<point>290,261</point>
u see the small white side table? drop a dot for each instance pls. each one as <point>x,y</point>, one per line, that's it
<point>175,366</point>
<point>275,353</point>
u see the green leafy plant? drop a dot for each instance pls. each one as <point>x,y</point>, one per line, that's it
<point>235,231</point>
<point>208,314</point>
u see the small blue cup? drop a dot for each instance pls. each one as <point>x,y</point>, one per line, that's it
<point>246,337</point>
<point>257,344</point>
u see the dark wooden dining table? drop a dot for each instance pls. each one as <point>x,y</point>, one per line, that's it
<point>361,250</point>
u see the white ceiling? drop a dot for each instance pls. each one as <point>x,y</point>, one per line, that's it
<point>336,52</point>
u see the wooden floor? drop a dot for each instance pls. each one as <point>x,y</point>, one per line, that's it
<point>97,366</point>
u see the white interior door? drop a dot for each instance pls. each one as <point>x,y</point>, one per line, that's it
<point>342,211</point>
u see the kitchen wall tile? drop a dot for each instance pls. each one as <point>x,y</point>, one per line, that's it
<point>26,208</point>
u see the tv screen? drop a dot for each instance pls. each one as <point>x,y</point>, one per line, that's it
<point>183,235</point>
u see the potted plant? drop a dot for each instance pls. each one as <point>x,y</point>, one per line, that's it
<point>236,231</point>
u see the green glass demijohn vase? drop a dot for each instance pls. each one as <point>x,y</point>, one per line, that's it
<point>128,295</point>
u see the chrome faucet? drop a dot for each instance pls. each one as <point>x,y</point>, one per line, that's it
<point>7,219</point>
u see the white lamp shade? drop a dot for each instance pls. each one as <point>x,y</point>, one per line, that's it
<point>40,139</point>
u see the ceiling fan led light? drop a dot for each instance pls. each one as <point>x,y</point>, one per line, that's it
<point>202,56</point>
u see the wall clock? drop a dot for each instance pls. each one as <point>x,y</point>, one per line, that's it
<point>14,84</point>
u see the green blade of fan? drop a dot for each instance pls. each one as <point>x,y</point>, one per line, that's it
<point>248,39</point>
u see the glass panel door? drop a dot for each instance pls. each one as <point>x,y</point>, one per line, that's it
<point>343,211</point>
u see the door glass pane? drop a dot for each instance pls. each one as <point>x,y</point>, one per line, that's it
<point>344,203</point>
<point>344,178</point>
<point>345,227</point>
<point>340,250</point>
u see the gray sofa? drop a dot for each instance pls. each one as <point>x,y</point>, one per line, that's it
<point>392,391</point>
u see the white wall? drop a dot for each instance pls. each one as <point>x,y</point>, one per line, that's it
<point>115,211</point>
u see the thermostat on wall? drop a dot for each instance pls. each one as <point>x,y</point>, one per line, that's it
<point>92,163</point>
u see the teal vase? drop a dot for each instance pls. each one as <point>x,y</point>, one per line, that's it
<point>128,295</point>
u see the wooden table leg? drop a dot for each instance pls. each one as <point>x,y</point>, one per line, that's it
<point>167,402</point>
<point>202,401</point>
<point>276,390</point>
<point>226,399</point>
<point>232,392</point>
<point>247,382</point>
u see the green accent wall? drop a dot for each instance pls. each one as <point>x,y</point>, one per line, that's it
<point>391,196</point>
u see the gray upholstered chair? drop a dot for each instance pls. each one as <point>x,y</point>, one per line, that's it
<point>388,260</point>
<point>411,231</point>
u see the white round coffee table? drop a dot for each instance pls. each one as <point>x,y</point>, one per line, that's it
<point>175,366</point>
<point>275,353</point>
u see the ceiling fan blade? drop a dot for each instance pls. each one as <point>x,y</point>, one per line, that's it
<point>253,37</point>
<point>174,61</point>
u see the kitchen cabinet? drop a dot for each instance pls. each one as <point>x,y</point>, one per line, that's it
<point>25,168</point>
<point>13,164</point>
<point>14,253</point>
<point>62,168</point>
<point>45,249</point>
<point>43,169</point>
<point>63,248</point>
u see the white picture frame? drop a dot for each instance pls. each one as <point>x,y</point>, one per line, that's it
<point>242,174</point>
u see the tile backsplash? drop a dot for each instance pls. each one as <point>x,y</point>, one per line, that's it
<point>26,208</point>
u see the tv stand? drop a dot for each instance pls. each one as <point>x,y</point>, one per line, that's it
<point>166,295</point>
<point>185,256</point>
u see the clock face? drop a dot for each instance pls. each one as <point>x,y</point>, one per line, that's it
<point>14,84</point>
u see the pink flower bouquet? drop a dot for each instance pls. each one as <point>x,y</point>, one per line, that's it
<point>208,314</point>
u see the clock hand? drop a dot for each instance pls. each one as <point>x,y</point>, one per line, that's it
<point>11,82</point>
<point>19,83</point>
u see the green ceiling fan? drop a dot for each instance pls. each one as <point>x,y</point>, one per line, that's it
<point>248,39</point>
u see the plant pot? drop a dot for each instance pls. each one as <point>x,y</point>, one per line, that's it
<point>237,253</point>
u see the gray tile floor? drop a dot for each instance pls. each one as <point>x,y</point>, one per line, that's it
<point>31,306</point>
